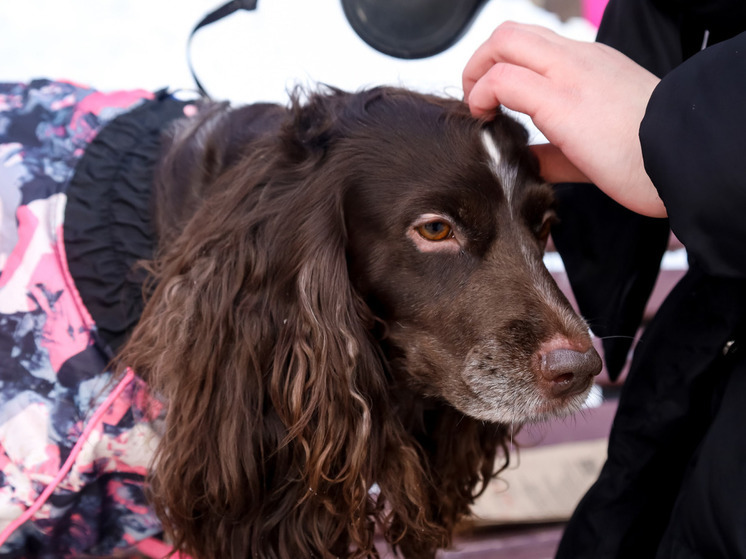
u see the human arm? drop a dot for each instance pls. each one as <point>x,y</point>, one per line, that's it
<point>693,140</point>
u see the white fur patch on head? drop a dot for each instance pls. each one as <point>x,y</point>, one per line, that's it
<point>500,169</point>
<point>489,144</point>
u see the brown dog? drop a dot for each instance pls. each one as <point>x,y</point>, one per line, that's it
<point>349,292</point>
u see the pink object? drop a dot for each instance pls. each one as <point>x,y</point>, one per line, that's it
<point>97,416</point>
<point>27,223</point>
<point>593,10</point>
<point>98,102</point>
<point>65,330</point>
<point>157,549</point>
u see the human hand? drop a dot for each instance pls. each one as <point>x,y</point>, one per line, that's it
<point>586,98</point>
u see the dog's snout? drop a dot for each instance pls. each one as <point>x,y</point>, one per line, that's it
<point>567,371</point>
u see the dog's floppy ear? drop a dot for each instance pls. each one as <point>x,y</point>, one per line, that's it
<point>196,151</point>
<point>256,340</point>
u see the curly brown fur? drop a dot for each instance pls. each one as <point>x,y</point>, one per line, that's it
<point>308,348</point>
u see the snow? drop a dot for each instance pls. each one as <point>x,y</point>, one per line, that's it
<point>248,56</point>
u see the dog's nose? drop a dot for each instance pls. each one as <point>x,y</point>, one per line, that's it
<point>568,371</point>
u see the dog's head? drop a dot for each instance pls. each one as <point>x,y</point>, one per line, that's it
<point>447,220</point>
<point>354,295</point>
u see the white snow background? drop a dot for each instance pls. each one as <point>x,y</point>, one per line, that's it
<point>248,56</point>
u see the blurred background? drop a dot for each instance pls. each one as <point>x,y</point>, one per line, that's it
<point>248,56</point>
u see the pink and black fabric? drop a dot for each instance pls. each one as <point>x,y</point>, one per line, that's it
<point>75,173</point>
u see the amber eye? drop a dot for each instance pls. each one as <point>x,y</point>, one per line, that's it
<point>436,230</point>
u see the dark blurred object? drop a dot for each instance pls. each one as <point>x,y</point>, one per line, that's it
<point>612,257</point>
<point>411,28</point>
<point>217,14</point>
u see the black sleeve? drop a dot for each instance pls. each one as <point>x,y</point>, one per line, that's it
<point>693,140</point>
<point>647,33</point>
<point>611,254</point>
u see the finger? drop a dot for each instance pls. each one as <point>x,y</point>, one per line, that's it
<point>531,46</point>
<point>554,167</point>
<point>515,87</point>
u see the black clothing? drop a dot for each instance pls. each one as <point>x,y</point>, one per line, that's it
<point>108,227</point>
<point>675,479</point>
<point>704,185</point>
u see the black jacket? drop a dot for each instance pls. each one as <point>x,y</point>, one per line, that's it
<point>674,485</point>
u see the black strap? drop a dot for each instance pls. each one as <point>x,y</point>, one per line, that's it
<point>219,13</point>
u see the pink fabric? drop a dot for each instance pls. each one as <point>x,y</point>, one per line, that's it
<point>157,549</point>
<point>62,431</point>
<point>99,101</point>
<point>593,10</point>
<point>92,424</point>
<point>27,223</point>
<point>65,330</point>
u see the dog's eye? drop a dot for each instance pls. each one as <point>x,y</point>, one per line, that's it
<point>436,233</point>
<point>436,230</point>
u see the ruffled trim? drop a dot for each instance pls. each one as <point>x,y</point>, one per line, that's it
<point>107,227</point>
